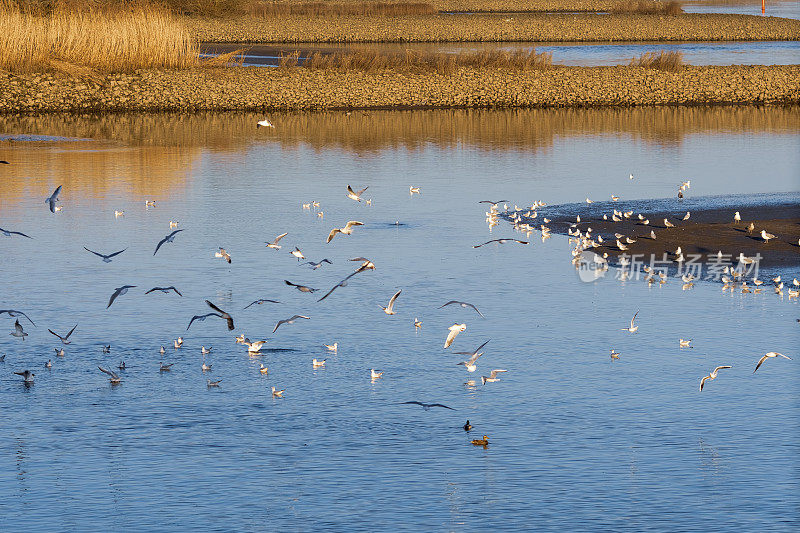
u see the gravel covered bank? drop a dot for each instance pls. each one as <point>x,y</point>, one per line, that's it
<point>298,88</point>
<point>484,27</point>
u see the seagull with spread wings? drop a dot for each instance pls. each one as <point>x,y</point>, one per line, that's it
<point>353,195</point>
<point>168,238</point>
<point>462,304</point>
<point>346,230</point>
<point>711,376</point>
<point>389,309</point>
<point>9,233</point>
<point>53,198</point>
<point>223,314</point>
<point>65,338</point>
<point>455,329</point>
<point>106,258</point>
<point>500,241</point>
<point>13,313</point>
<point>289,321</point>
<point>473,357</point>
<point>113,377</point>
<point>274,244</point>
<point>301,288</point>
<point>427,406</point>
<point>262,301</point>
<point>201,318</point>
<point>18,331</point>
<point>318,264</point>
<point>770,355</point>
<point>119,291</point>
<point>165,290</point>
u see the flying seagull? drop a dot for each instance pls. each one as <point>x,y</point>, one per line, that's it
<point>389,309</point>
<point>119,291</point>
<point>13,313</point>
<point>65,338</point>
<point>202,317</point>
<point>632,328</point>
<point>355,195</point>
<point>223,314</point>
<point>318,264</point>
<point>106,258</point>
<point>262,301</point>
<point>264,124</point>
<point>342,283</point>
<point>346,230</point>
<point>473,356</point>
<point>301,288</point>
<point>462,304</point>
<point>501,241</point>
<point>427,406</point>
<point>112,376</point>
<point>53,199</point>
<point>712,376</point>
<point>491,202</point>
<point>165,290</point>
<point>223,254</point>
<point>770,355</point>
<point>168,238</point>
<point>27,376</point>
<point>9,233</point>
<point>492,376</point>
<point>18,332</point>
<point>289,321</point>
<point>274,244</point>
<point>455,329</point>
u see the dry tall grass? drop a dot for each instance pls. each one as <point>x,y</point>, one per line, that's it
<point>669,61</point>
<point>649,7</point>
<point>442,63</point>
<point>105,40</point>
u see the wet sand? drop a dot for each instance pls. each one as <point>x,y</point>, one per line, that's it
<point>708,230</point>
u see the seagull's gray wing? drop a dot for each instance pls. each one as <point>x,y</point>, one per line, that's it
<point>201,318</point>
<point>109,372</point>
<point>15,233</point>
<point>414,403</point>
<point>440,405</point>
<point>115,253</point>
<point>13,313</point>
<point>95,253</point>
<point>114,297</point>
<point>223,314</point>
<point>487,242</point>
<point>70,331</point>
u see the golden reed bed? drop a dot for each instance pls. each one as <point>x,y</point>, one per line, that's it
<point>488,27</point>
<point>298,88</point>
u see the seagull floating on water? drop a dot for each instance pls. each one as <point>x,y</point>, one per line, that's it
<point>375,375</point>
<point>277,393</point>
<point>27,376</point>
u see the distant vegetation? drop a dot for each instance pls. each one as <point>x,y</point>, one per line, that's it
<point>669,61</point>
<point>440,62</point>
<point>648,7</point>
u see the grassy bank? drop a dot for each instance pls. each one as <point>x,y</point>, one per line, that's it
<point>302,88</point>
<point>105,40</point>
<point>486,27</point>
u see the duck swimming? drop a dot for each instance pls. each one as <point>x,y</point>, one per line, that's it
<point>467,426</point>
<point>481,442</point>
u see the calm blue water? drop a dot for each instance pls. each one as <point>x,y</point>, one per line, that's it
<point>577,442</point>
<point>572,54</point>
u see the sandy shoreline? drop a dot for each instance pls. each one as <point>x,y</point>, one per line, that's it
<point>265,88</point>
<point>708,230</point>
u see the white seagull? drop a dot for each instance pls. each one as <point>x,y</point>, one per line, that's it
<point>346,230</point>
<point>770,355</point>
<point>492,376</point>
<point>389,309</point>
<point>289,321</point>
<point>473,357</point>
<point>455,329</point>
<point>712,376</point>
<point>274,244</point>
<point>353,195</point>
<point>264,124</point>
<point>632,328</point>
<point>53,198</point>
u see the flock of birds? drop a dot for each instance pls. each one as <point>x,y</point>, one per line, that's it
<point>254,347</point>
<point>521,219</point>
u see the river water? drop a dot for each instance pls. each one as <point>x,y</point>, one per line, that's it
<point>570,54</point>
<point>577,441</point>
